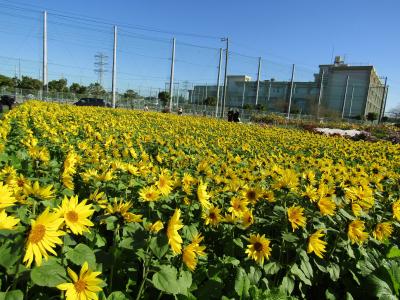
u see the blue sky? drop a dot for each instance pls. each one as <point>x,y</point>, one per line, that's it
<point>306,33</point>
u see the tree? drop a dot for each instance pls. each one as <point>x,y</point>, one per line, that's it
<point>395,112</point>
<point>30,83</point>
<point>130,95</point>
<point>372,116</point>
<point>76,88</point>
<point>96,89</point>
<point>210,101</point>
<point>164,97</point>
<point>58,85</point>
<point>6,81</point>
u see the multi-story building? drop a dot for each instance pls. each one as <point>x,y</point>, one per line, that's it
<point>347,91</point>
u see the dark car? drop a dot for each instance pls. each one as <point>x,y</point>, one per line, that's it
<point>6,100</point>
<point>92,102</point>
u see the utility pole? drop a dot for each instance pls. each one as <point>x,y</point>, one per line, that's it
<point>225,76</point>
<point>171,80</point>
<point>45,78</point>
<point>351,100</point>
<point>291,91</point>
<point>114,67</point>
<point>345,95</point>
<point>258,79</point>
<point>218,80</point>
<point>382,110</point>
<point>321,87</point>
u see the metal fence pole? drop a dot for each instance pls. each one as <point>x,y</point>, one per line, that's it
<point>345,95</point>
<point>218,81</point>
<point>45,78</point>
<point>321,87</point>
<point>171,80</point>
<point>258,79</point>
<point>114,67</point>
<point>291,91</point>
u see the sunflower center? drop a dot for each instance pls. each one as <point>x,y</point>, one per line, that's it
<point>80,286</point>
<point>37,233</point>
<point>213,216</point>
<point>162,182</point>
<point>258,246</point>
<point>72,216</point>
<point>21,183</point>
<point>251,195</point>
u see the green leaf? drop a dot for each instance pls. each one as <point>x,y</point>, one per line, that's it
<point>287,285</point>
<point>7,255</point>
<point>380,288</point>
<point>306,267</point>
<point>117,296</point>
<point>394,252</point>
<point>242,283</point>
<point>365,267</point>
<point>238,242</point>
<point>50,274</point>
<point>166,280</point>
<point>159,245</point>
<point>272,268</point>
<point>289,237</point>
<point>80,254</point>
<point>334,271</point>
<point>254,275</point>
<point>346,214</point>
<point>189,232</point>
<point>300,274</point>
<point>12,295</point>
<point>329,295</point>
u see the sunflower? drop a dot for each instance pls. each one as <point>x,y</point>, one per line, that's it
<point>174,239</point>
<point>35,190</point>
<point>247,218</point>
<point>122,208</point>
<point>43,237</point>
<point>238,206</point>
<point>311,193</point>
<point>356,232</point>
<point>84,287</point>
<point>6,198</point>
<point>396,210</point>
<point>316,245</point>
<point>383,231</point>
<point>76,214</point>
<point>259,248</point>
<point>212,216</point>
<point>252,194</point>
<point>191,251</point>
<point>203,196</point>
<point>7,222</point>
<point>149,193</point>
<point>164,183</point>
<point>155,227</point>
<point>187,182</point>
<point>288,180</point>
<point>296,217</point>
<point>326,206</point>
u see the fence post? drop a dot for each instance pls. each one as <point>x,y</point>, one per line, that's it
<point>114,67</point>
<point>171,80</point>
<point>291,91</point>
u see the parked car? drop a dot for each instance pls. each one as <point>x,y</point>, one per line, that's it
<point>92,102</point>
<point>7,100</point>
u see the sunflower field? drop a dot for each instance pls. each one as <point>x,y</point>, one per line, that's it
<point>99,203</point>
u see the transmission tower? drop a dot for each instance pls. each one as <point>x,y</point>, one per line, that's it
<point>100,63</point>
